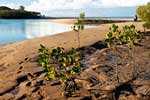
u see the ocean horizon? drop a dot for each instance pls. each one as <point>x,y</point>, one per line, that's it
<point>115,12</point>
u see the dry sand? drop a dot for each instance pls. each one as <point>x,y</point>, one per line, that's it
<point>14,56</point>
<point>91,21</point>
<point>64,21</point>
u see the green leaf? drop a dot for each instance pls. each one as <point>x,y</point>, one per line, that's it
<point>109,45</point>
<point>109,35</point>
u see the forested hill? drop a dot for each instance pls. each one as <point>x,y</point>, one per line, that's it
<point>21,13</point>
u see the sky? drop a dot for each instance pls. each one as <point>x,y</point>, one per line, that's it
<point>92,8</point>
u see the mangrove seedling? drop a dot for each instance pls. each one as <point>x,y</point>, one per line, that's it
<point>61,65</point>
<point>127,36</point>
<point>116,33</point>
<point>79,26</point>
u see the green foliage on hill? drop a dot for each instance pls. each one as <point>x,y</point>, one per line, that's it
<point>5,8</point>
<point>144,13</point>
<point>9,13</point>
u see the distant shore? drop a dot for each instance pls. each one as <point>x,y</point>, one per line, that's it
<point>93,20</point>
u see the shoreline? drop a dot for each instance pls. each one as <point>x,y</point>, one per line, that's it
<point>92,21</point>
<point>92,35</point>
<point>103,27</point>
<point>13,53</point>
<point>63,21</point>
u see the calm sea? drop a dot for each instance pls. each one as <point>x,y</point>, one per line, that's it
<point>21,29</point>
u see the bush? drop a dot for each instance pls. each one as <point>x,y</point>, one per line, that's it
<point>144,13</point>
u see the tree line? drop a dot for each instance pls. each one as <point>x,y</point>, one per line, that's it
<point>8,13</point>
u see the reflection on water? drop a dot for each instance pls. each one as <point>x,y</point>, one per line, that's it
<point>17,30</point>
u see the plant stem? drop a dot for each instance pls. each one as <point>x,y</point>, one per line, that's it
<point>71,85</point>
<point>130,58</point>
<point>117,74</point>
<point>78,39</point>
<point>134,73</point>
<point>117,77</point>
<point>74,82</point>
<point>132,61</point>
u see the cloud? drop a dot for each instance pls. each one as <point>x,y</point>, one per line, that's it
<point>123,3</point>
<point>45,5</point>
<point>48,5</point>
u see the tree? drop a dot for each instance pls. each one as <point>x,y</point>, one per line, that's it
<point>82,15</point>
<point>9,13</point>
<point>22,8</point>
<point>143,12</point>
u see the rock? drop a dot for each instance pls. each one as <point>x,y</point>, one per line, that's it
<point>51,92</point>
<point>75,98</point>
<point>7,97</point>
<point>143,90</point>
<point>108,87</point>
<point>6,86</point>
<point>42,76</point>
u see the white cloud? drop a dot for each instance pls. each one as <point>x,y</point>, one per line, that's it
<point>123,3</point>
<point>48,5</point>
<point>45,5</point>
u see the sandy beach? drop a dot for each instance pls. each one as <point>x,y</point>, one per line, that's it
<point>64,21</point>
<point>92,21</point>
<point>14,56</point>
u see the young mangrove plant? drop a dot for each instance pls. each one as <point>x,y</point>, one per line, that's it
<point>116,33</point>
<point>79,26</point>
<point>128,36</point>
<point>61,65</point>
